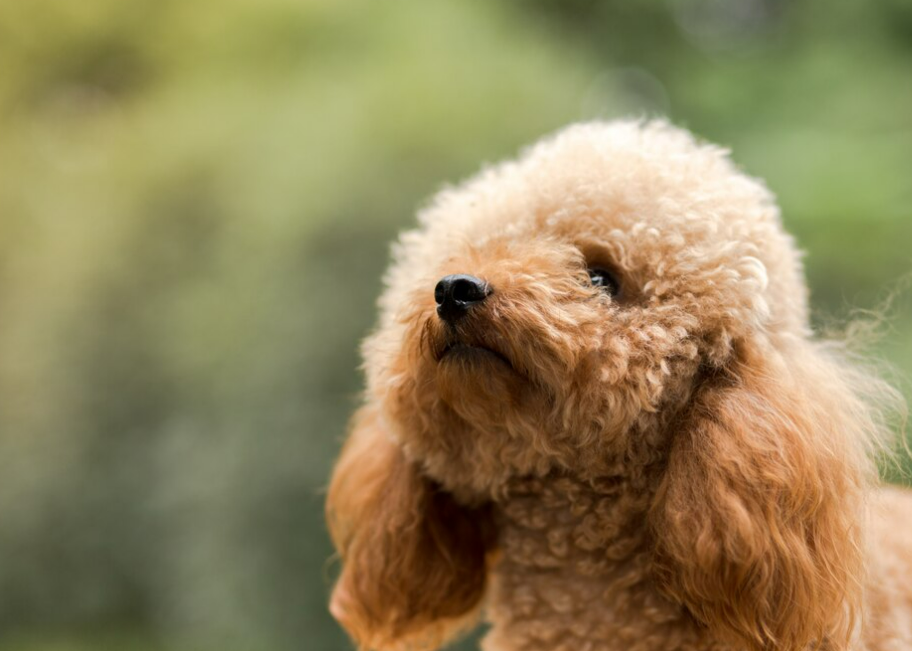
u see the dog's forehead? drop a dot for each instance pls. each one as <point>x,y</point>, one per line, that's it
<point>621,197</point>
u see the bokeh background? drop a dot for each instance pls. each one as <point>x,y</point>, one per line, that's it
<point>196,200</point>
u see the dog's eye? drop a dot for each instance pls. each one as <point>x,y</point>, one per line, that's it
<point>605,280</point>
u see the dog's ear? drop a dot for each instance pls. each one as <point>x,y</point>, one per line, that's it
<point>758,519</point>
<point>414,561</point>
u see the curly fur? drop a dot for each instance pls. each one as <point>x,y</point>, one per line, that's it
<point>682,466</point>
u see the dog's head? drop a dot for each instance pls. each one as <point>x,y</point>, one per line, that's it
<point>620,300</point>
<point>549,313</point>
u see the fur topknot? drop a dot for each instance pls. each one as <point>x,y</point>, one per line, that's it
<point>675,465</point>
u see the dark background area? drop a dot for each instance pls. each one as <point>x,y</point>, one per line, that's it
<point>196,201</point>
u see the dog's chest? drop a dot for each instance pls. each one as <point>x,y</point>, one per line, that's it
<point>574,575</point>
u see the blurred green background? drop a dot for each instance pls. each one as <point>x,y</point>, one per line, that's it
<point>196,200</point>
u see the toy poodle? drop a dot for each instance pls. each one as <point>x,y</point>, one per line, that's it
<point>596,417</point>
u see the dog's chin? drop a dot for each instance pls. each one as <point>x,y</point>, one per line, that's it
<point>473,376</point>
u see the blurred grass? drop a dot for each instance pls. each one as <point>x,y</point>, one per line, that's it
<point>196,201</point>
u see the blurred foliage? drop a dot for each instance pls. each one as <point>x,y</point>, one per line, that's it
<point>196,200</point>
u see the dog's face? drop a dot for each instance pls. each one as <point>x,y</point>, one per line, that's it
<point>553,313</point>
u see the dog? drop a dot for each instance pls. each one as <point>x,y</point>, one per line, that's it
<point>596,416</point>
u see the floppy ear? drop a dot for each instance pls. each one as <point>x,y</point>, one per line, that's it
<point>414,567</point>
<point>758,520</point>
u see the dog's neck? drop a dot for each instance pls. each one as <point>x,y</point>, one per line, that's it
<point>574,571</point>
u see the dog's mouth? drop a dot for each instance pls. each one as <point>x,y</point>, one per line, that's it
<point>471,346</point>
<point>464,351</point>
<point>464,347</point>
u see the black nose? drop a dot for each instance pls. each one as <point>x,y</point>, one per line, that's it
<point>456,294</point>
